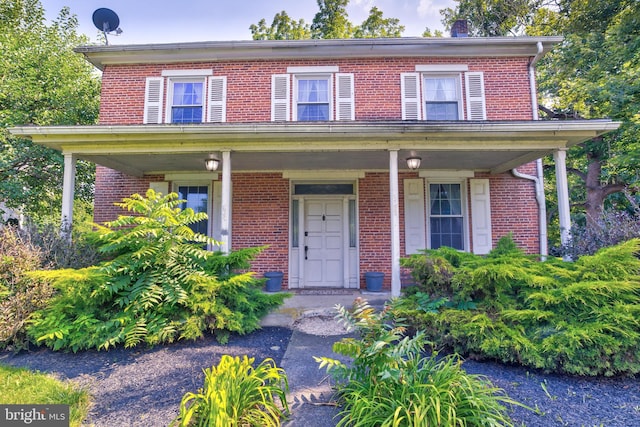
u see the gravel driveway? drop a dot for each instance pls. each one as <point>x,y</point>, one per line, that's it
<point>144,387</point>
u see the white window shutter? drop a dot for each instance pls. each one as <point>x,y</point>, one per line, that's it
<point>345,98</point>
<point>476,106</point>
<point>414,216</point>
<point>280,98</point>
<point>480,216</point>
<point>217,102</point>
<point>153,92</point>
<point>411,103</point>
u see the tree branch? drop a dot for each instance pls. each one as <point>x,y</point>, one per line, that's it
<point>578,173</point>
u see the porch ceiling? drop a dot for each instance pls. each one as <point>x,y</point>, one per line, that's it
<point>482,146</point>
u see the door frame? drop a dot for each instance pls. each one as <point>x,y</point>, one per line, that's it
<point>350,255</point>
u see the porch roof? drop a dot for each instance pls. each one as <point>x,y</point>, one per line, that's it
<point>492,146</point>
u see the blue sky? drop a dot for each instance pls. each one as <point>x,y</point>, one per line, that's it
<point>163,21</point>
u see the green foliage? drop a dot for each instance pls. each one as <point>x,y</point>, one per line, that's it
<point>330,22</point>
<point>160,285</point>
<point>579,318</point>
<point>20,295</point>
<point>491,18</point>
<point>236,393</point>
<point>22,387</point>
<point>43,83</point>
<point>389,382</point>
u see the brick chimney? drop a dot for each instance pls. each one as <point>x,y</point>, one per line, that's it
<point>460,28</point>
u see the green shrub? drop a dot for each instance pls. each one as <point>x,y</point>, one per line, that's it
<point>236,393</point>
<point>20,295</point>
<point>390,383</point>
<point>580,318</point>
<point>160,285</point>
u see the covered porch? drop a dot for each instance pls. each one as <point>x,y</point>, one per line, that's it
<point>311,152</point>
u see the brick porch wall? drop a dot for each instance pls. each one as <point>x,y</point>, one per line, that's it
<point>261,209</point>
<point>260,216</point>
<point>111,187</point>
<point>514,208</point>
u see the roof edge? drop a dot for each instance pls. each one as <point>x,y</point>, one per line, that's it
<point>100,55</point>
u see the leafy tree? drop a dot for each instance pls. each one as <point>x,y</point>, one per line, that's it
<point>282,28</point>
<point>377,26</point>
<point>331,22</point>
<point>42,82</point>
<point>594,73</point>
<point>489,18</point>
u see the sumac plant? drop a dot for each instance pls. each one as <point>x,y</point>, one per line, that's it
<point>160,284</point>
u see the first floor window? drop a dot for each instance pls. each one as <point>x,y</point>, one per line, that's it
<point>446,222</point>
<point>197,198</point>
<point>312,99</point>
<point>187,101</point>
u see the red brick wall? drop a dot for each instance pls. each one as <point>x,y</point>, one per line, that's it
<point>261,208</point>
<point>111,187</point>
<point>514,208</point>
<point>377,86</point>
<point>375,225</point>
<point>260,216</point>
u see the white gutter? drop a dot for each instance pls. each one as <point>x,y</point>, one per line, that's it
<point>539,179</point>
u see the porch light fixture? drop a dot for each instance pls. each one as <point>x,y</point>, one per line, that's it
<point>414,162</point>
<point>211,164</point>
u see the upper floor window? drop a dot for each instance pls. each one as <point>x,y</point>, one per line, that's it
<point>192,96</point>
<point>187,101</point>
<point>442,97</point>
<point>313,98</point>
<point>435,92</point>
<point>319,94</point>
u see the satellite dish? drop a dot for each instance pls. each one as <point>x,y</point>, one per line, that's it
<point>107,21</point>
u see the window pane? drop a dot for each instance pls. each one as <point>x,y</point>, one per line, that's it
<point>352,223</point>
<point>187,93</point>
<point>313,112</point>
<point>186,115</point>
<point>313,90</point>
<point>197,198</point>
<point>446,232</point>
<point>446,221</point>
<point>187,101</point>
<point>294,224</point>
<point>441,89</point>
<point>442,110</point>
<point>313,100</point>
<point>323,189</point>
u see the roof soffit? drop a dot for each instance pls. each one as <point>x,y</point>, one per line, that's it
<point>296,49</point>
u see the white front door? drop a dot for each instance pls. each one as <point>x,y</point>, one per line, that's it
<point>324,243</point>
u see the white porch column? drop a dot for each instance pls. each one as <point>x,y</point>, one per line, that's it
<point>225,210</point>
<point>562,186</point>
<point>395,223</point>
<point>68,187</point>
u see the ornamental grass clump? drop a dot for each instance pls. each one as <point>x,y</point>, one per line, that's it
<point>391,383</point>
<point>580,318</point>
<point>236,393</point>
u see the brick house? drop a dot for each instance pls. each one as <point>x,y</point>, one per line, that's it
<point>341,155</point>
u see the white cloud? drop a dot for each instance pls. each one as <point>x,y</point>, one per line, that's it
<point>427,8</point>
